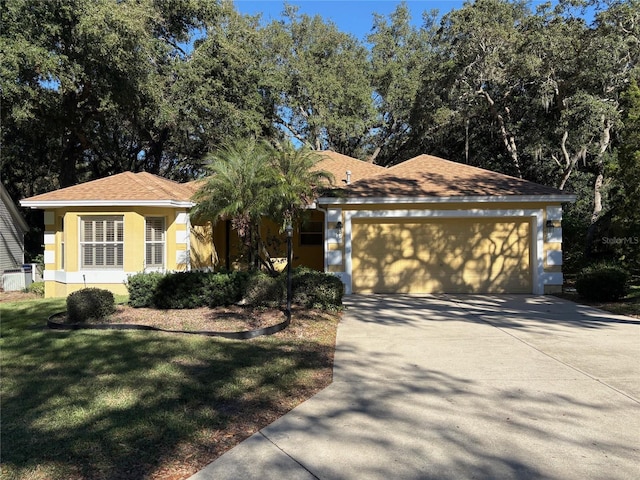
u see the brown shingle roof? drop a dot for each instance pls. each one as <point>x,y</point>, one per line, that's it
<point>429,176</point>
<point>123,187</point>
<point>194,185</point>
<point>338,165</point>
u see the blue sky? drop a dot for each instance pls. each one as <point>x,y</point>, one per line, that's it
<point>353,16</point>
<point>356,16</point>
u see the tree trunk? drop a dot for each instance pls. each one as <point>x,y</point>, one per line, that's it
<point>569,161</point>
<point>597,209</point>
<point>374,155</point>
<point>508,139</point>
<point>75,141</point>
<point>466,141</point>
<point>605,139</point>
<point>70,159</point>
<point>156,149</point>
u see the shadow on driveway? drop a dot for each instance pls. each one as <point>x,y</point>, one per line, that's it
<point>455,386</point>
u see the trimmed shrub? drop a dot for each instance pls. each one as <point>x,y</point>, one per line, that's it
<point>197,289</point>
<point>142,287</point>
<point>37,288</point>
<point>223,288</point>
<point>313,289</point>
<point>263,290</point>
<point>602,282</point>
<point>90,304</point>
<point>241,281</point>
<point>180,290</point>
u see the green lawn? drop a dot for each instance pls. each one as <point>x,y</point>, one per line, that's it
<point>114,404</point>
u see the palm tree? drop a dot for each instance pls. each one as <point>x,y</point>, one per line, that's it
<point>298,181</point>
<point>237,189</point>
<point>249,180</point>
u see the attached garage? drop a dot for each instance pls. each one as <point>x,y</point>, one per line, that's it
<point>429,225</point>
<point>441,256</point>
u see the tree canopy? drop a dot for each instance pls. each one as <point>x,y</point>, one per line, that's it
<point>96,87</point>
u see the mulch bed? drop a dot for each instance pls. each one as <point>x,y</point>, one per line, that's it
<point>16,296</point>
<point>221,319</point>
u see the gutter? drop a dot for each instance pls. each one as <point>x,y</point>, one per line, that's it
<point>561,198</point>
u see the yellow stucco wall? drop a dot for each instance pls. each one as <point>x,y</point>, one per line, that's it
<point>203,254</point>
<point>215,247</point>
<point>176,244</point>
<point>210,248</point>
<point>57,289</point>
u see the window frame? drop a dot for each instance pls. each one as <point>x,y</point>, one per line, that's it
<point>117,243</point>
<point>155,243</point>
<point>305,233</point>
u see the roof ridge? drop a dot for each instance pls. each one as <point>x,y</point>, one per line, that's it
<point>338,164</point>
<point>468,166</point>
<point>429,175</point>
<point>123,186</point>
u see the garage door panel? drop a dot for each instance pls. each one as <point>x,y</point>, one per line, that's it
<point>452,255</point>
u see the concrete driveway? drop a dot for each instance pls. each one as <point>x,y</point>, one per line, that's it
<point>457,386</point>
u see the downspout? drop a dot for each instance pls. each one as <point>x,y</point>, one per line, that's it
<point>325,238</point>
<point>188,242</point>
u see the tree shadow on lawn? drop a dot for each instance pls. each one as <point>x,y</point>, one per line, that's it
<point>118,405</point>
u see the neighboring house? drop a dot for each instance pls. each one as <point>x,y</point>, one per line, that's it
<point>427,225</point>
<point>12,229</point>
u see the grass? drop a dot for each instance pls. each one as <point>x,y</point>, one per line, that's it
<point>133,405</point>
<point>629,305</point>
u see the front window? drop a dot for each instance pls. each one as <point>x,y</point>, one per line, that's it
<point>154,242</point>
<point>102,242</point>
<point>311,233</point>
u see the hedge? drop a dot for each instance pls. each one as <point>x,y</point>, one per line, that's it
<point>602,282</point>
<point>179,290</point>
<point>141,287</point>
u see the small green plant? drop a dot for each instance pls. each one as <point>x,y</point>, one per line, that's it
<point>602,282</point>
<point>90,304</point>
<point>36,288</point>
